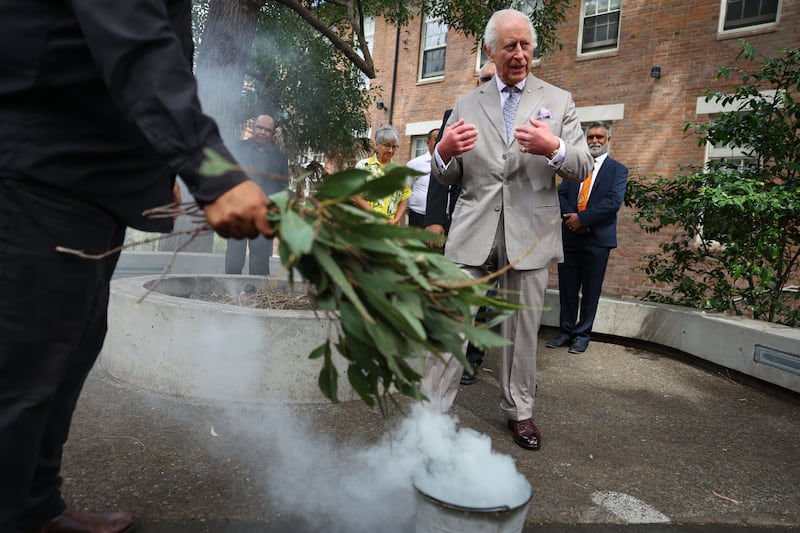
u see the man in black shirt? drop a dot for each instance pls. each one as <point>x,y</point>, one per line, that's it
<point>269,167</point>
<point>98,112</point>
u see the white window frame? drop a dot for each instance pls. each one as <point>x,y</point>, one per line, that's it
<point>595,13</point>
<point>528,7</point>
<point>369,36</point>
<point>419,146</point>
<point>600,113</point>
<point>756,24</point>
<point>480,58</point>
<point>439,43</point>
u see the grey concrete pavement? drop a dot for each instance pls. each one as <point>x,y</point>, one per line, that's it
<point>633,440</point>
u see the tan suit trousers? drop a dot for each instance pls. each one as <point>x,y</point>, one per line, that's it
<point>518,360</point>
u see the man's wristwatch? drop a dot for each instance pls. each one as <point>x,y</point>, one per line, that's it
<point>554,152</point>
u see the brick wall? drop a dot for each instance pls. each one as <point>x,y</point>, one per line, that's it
<point>681,37</point>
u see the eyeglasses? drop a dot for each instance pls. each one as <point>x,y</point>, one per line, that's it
<point>391,146</point>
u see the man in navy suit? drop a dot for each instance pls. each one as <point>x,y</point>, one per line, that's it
<point>589,231</point>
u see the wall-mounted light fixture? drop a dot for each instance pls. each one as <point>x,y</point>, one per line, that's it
<point>655,71</point>
<point>380,105</point>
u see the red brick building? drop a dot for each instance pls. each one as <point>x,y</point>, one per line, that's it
<point>639,65</point>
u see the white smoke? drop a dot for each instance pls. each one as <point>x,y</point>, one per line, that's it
<point>342,490</point>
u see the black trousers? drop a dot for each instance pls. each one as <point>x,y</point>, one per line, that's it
<point>415,219</point>
<point>582,271</point>
<point>52,326</point>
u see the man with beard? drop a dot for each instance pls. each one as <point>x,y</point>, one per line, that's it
<point>269,167</point>
<point>589,230</point>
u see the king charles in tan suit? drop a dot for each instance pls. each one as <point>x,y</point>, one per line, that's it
<point>508,211</point>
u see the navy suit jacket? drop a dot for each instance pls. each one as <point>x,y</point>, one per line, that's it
<point>600,215</point>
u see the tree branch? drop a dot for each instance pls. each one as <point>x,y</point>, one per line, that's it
<point>364,64</point>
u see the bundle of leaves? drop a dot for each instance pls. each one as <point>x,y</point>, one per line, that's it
<point>393,298</point>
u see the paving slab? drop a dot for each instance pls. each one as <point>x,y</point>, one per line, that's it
<point>634,439</point>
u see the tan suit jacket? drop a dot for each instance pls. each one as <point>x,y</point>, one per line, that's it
<point>497,177</point>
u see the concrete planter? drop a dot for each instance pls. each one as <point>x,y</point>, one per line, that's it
<point>199,349</point>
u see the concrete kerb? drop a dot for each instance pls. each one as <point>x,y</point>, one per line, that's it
<point>766,351</point>
<point>193,348</point>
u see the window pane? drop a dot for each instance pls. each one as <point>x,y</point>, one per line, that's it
<point>433,63</point>
<point>435,35</point>
<point>601,28</point>
<point>743,13</point>
<point>601,32</point>
<point>420,147</point>
<point>434,40</point>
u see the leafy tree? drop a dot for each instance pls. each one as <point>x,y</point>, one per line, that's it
<point>292,49</point>
<point>227,38</point>
<point>298,77</point>
<point>736,239</point>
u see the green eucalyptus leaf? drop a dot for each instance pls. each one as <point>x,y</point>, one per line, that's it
<point>484,337</point>
<point>320,350</point>
<point>381,187</point>
<point>343,184</point>
<point>352,322</point>
<point>296,232</point>
<point>361,384</point>
<point>329,379</point>
<point>384,339</point>
<point>281,200</point>
<point>402,324</point>
<point>214,165</point>
<point>340,280</point>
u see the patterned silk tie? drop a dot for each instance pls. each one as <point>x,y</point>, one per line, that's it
<point>510,109</point>
<point>583,195</point>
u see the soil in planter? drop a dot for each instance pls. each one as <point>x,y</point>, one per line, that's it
<point>258,299</point>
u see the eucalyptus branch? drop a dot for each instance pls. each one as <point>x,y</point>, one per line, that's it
<point>194,233</point>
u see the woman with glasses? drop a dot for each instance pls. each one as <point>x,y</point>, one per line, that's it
<point>393,207</point>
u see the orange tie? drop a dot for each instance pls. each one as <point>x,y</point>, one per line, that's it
<point>583,195</point>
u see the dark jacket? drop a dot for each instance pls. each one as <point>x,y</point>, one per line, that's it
<point>268,167</point>
<point>98,99</point>
<point>441,198</point>
<point>600,215</point>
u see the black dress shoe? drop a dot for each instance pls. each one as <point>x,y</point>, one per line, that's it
<point>78,522</point>
<point>558,342</point>
<point>578,346</point>
<point>526,434</point>
<point>469,379</point>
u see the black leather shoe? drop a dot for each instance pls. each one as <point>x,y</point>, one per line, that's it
<point>469,379</point>
<point>78,522</point>
<point>558,342</point>
<point>526,434</point>
<point>578,346</point>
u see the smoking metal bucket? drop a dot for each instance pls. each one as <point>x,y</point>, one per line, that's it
<point>436,516</point>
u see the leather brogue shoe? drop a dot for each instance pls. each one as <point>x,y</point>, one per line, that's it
<point>78,522</point>
<point>559,342</point>
<point>526,434</point>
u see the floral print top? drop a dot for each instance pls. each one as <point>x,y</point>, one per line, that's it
<point>388,205</point>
